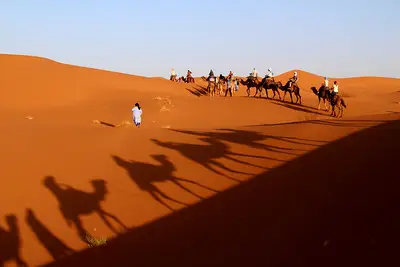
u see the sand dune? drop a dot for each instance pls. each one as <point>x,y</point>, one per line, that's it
<point>73,163</point>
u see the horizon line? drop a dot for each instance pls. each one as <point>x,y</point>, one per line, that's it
<point>164,77</point>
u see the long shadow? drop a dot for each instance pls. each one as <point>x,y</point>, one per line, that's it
<point>74,203</point>
<point>10,243</point>
<point>253,139</point>
<point>56,248</point>
<point>335,206</point>
<point>341,123</point>
<point>107,124</point>
<point>207,155</point>
<point>301,108</point>
<point>198,90</point>
<point>145,175</point>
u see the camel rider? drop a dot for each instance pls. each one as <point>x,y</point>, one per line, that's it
<point>335,89</point>
<point>326,83</point>
<point>254,74</point>
<point>189,73</point>
<point>294,79</point>
<point>269,74</point>
<point>173,74</point>
<point>230,75</point>
<point>211,76</point>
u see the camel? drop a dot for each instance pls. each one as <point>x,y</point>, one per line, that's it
<point>293,89</point>
<point>338,102</point>
<point>323,94</point>
<point>212,85</point>
<point>221,83</point>
<point>268,84</point>
<point>250,83</point>
<point>189,79</point>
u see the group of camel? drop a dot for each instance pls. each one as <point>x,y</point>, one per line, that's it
<point>187,79</point>
<point>218,84</point>
<point>270,84</point>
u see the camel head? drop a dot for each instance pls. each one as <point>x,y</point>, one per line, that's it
<point>100,188</point>
<point>50,182</point>
<point>315,91</point>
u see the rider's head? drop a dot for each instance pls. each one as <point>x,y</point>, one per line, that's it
<point>269,69</point>
<point>335,82</point>
<point>326,78</point>
<point>295,73</point>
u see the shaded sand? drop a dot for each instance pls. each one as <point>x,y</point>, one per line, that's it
<point>73,164</point>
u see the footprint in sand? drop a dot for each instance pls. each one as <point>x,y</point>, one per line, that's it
<point>165,103</point>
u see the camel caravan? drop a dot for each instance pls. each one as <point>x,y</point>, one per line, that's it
<point>222,85</point>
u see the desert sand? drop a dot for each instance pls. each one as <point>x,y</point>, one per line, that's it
<point>204,181</point>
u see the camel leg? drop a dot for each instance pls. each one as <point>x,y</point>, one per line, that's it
<point>291,97</point>
<point>103,215</point>
<point>257,92</point>
<point>284,95</point>
<point>333,114</point>
<point>279,94</point>
<point>300,98</point>
<point>319,102</point>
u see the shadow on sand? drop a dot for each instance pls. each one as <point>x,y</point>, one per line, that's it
<point>146,175</point>
<point>198,90</point>
<point>253,139</point>
<point>74,203</point>
<point>300,108</point>
<point>56,248</point>
<point>10,243</point>
<point>208,154</point>
<point>335,206</point>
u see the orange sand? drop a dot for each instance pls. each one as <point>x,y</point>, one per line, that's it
<point>51,114</point>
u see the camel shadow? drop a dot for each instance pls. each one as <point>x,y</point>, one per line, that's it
<point>198,90</point>
<point>334,206</point>
<point>56,248</point>
<point>300,108</point>
<point>74,203</point>
<point>208,154</point>
<point>10,243</point>
<point>253,139</point>
<point>145,175</point>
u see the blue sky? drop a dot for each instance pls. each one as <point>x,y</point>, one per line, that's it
<point>334,38</point>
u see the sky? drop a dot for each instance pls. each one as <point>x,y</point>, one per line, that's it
<point>340,38</point>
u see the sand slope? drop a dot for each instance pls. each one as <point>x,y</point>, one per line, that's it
<point>60,121</point>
